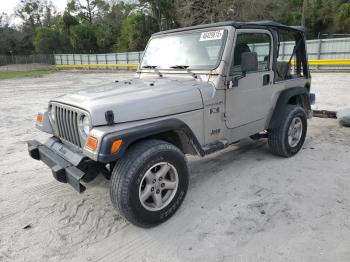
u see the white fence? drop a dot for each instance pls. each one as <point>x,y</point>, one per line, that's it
<point>111,58</point>
<point>319,49</point>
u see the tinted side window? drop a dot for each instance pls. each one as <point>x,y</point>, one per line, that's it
<point>291,53</point>
<point>252,42</point>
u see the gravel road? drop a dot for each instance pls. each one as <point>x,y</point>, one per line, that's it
<point>244,204</point>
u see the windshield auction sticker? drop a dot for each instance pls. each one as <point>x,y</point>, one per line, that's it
<point>211,35</point>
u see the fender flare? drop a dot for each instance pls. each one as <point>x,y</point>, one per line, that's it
<point>282,101</point>
<point>133,134</point>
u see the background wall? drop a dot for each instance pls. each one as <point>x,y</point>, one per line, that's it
<point>322,53</point>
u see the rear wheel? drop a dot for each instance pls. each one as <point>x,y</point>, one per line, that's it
<point>287,139</point>
<point>149,183</point>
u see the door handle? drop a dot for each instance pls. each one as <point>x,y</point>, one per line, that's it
<point>266,79</point>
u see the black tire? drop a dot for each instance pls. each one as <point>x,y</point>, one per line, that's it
<point>128,176</point>
<point>278,137</point>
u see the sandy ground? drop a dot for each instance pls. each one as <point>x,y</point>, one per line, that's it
<point>244,204</point>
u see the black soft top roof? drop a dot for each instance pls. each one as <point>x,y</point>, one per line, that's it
<point>256,24</point>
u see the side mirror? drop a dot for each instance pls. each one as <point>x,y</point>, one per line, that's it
<point>249,62</point>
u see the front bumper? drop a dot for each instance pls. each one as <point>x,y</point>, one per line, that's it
<point>62,170</point>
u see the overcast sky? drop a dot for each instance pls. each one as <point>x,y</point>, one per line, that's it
<point>8,6</point>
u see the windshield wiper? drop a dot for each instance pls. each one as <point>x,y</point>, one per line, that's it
<point>153,67</point>
<point>149,66</point>
<point>180,67</point>
<point>185,67</point>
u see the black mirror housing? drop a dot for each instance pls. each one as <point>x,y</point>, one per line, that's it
<point>249,62</point>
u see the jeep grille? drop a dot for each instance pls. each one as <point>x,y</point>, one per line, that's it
<point>67,124</point>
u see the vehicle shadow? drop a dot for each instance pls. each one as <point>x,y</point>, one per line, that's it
<point>200,168</point>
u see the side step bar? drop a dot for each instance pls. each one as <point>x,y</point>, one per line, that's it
<point>214,146</point>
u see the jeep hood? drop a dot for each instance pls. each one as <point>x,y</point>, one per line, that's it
<point>137,99</point>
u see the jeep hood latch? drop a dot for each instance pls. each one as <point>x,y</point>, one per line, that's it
<point>109,117</point>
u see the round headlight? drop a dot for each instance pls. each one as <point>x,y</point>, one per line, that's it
<point>85,124</point>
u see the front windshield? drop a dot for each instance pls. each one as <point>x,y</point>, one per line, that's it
<point>194,50</point>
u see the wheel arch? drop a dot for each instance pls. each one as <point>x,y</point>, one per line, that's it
<point>173,131</point>
<point>291,96</point>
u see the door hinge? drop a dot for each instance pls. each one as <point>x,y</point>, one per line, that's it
<point>224,116</point>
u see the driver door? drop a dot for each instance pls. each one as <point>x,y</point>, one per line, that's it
<point>248,103</point>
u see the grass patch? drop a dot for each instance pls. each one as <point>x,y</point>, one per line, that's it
<point>30,73</point>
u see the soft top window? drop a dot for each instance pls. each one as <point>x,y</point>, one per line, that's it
<point>252,42</point>
<point>291,59</point>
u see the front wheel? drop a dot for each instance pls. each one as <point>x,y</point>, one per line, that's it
<point>149,183</point>
<point>287,139</point>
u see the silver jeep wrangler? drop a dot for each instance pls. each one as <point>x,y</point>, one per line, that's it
<point>197,90</point>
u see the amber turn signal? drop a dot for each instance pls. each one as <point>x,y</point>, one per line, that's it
<point>116,146</point>
<point>91,143</point>
<point>39,118</point>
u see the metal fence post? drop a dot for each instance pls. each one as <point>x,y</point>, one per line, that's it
<point>127,59</point>
<point>88,58</point>
<point>319,51</point>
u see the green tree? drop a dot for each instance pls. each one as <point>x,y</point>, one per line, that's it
<point>342,18</point>
<point>109,25</point>
<point>105,36</point>
<point>35,12</point>
<point>163,11</point>
<point>321,14</point>
<point>117,14</point>
<point>106,25</point>
<point>4,20</point>
<point>69,20</point>
<point>208,11</point>
<point>135,32</point>
<point>88,9</point>
<point>10,37</point>
<point>47,40</point>
<point>83,38</point>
